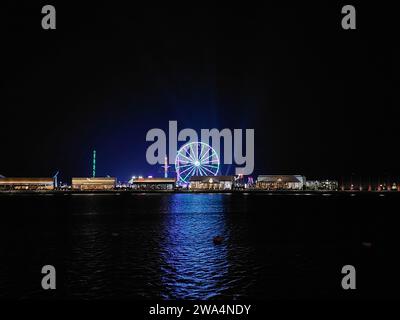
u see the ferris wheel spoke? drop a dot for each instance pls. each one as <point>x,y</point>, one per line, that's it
<point>212,161</point>
<point>183,171</point>
<point>189,173</point>
<point>210,156</point>
<point>186,165</point>
<point>201,151</point>
<point>202,172</point>
<point>213,173</point>
<point>192,154</point>
<point>196,153</point>
<point>188,159</point>
<point>183,161</point>
<point>189,154</point>
<point>183,165</point>
<point>206,153</point>
<point>210,165</point>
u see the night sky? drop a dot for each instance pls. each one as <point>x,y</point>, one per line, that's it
<point>320,98</point>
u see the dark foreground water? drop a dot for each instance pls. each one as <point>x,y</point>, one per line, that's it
<point>159,246</point>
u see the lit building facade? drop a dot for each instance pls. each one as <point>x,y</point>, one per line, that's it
<point>26,183</point>
<point>97,183</point>
<point>328,185</point>
<point>211,182</point>
<point>153,183</point>
<point>280,182</point>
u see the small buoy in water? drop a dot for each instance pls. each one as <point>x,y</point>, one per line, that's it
<point>367,244</point>
<point>218,240</point>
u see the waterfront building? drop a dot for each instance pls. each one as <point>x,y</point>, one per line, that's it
<point>98,183</point>
<point>280,182</point>
<point>323,185</point>
<point>152,183</point>
<point>26,183</point>
<point>211,182</point>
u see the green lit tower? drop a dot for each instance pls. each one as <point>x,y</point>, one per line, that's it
<point>94,163</point>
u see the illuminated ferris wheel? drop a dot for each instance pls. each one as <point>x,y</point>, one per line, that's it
<point>196,159</point>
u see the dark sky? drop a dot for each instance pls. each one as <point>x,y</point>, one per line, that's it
<point>319,98</point>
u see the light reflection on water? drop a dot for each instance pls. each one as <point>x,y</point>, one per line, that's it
<point>192,265</point>
<point>160,246</point>
<point>157,246</point>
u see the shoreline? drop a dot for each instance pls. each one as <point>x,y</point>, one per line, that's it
<point>244,192</point>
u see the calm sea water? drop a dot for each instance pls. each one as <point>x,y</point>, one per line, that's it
<point>159,246</point>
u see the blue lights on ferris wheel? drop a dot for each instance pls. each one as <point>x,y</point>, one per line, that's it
<point>196,159</point>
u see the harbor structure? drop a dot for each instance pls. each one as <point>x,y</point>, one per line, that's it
<point>211,182</point>
<point>96,183</point>
<point>152,183</point>
<point>281,182</point>
<point>323,185</point>
<point>26,183</point>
